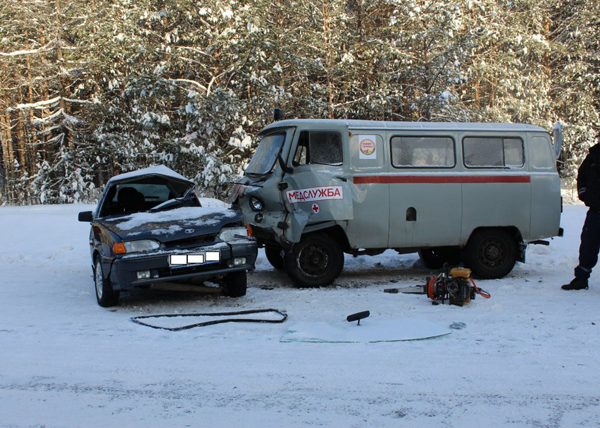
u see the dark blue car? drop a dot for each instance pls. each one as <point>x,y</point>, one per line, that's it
<point>150,228</point>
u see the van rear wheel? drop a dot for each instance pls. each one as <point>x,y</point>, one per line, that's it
<point>491,253</point>
<point>316,261</point>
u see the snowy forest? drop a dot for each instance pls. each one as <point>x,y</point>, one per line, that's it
<point>93,88</point>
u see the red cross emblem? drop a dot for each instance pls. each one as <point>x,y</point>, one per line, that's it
<point>315,208</point>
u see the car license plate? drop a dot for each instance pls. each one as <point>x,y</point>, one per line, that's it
<point>176,260</point>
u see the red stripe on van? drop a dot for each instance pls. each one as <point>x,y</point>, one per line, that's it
<point>422,179</point>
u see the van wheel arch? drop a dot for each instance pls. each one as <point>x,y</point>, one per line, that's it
<point>491,252</point>
<point>339,235</point>
<point>337,232</point>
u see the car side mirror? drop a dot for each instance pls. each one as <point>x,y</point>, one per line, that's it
<point>86,216</point>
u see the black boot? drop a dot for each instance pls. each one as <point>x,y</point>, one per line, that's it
<point>576,284</point>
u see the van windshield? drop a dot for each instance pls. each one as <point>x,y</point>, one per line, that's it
<point>265,156</point>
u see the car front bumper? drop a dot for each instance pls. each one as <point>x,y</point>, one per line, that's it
<point>156,267</point>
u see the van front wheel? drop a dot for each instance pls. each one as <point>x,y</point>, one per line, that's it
<point>317,260</point>
<point>275,257</point>
<point>491,253</point>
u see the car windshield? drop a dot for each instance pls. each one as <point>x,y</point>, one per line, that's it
<point>265,156</point>
<point>132,197</point>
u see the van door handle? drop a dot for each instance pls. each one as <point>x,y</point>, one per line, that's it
<point>344,179</point>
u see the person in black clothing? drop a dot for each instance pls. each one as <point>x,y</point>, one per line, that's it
<point>588,190</point>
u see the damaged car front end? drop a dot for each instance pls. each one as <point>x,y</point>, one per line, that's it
<point>150,228</point>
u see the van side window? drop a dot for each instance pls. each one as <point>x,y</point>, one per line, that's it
<point>423,152</point>
<point>540,154</point>
<point>319,147</point>
<point>493,152</point>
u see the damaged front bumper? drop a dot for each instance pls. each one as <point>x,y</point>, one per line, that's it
<point>214,261</point>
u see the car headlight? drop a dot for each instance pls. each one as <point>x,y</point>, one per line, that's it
<point>256,204</point>
<point>141,245</point>
<point>233,233</point>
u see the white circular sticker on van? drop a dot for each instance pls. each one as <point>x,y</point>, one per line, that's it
<point>367,147</point>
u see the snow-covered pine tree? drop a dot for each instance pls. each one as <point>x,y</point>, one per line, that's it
<point>92,88</point>
<point>574,33</point>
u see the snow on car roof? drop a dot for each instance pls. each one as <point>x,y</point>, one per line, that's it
<point>153,170</point>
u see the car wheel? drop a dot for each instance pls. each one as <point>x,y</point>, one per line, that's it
<point>317,260</point>
<point>105,295</point>
<point>275,257</point>
<point>434,258</point>
<point>491,253</point>
<point>235,284</point>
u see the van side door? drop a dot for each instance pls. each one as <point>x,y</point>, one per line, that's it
<point>496,185</point>
<point>368,161</point>
<point>317,191</point>
<point>545,189</point>
<point>425,190</point>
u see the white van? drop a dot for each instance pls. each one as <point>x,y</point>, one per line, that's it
<point>470,193</point>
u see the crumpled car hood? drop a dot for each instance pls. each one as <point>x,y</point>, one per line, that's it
<point>165,226</point>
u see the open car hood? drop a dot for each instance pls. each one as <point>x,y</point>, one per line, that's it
<point>172,225</point>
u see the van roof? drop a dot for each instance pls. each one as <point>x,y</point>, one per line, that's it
<point>409,126</point>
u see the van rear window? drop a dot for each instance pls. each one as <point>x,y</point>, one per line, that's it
<point>423,152</point>
<point>485,152</point>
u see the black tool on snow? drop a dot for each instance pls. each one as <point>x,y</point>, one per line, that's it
<point>358,316</point>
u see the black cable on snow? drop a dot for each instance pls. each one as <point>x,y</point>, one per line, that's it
<point>138,320</point>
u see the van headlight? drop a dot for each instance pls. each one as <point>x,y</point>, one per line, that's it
<point>233,233</point>
<point>141,245</point>
<point>256,204</point>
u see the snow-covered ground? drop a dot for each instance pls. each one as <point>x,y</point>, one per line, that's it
<point>528,357</point>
